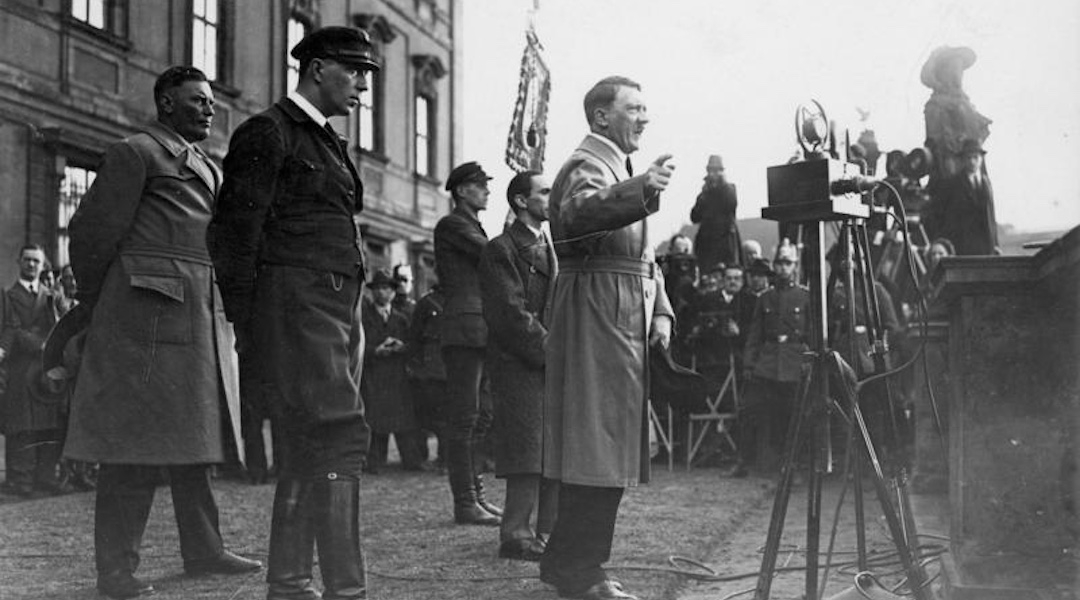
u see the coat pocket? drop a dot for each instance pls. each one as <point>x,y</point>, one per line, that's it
<point>159,311</point>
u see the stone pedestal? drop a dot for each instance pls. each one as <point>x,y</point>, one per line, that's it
<point>1013,363</point>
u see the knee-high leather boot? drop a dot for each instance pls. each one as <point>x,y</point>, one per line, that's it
<point>337,531</point>
<point>292,543</point>
<point>463,486</point>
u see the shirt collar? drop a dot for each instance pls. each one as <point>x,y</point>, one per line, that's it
<point>618,151</point>
<point>308,108</point>
<point>29,285</point>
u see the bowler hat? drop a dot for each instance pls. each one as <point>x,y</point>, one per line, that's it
<point>715,162</point>
<point>383,277</point>
<point>971,146</point>
<point>347,45</point>
<point>760,266</point>
<point>466,173</point>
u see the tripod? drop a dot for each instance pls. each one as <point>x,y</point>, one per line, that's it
<point>809,423</point>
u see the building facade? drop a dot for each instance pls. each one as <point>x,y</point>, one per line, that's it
<point>77,75</point>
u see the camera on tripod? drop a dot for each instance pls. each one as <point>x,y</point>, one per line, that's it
<point>819,187</point>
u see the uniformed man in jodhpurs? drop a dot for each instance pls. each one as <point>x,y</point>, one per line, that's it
<point>288,254</point>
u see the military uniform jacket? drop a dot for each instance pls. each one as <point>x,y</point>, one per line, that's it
<point>459,238</point>
<point>779,333</point>
<point>289,198</point>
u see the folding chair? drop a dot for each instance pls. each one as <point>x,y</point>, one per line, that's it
<point>722,419</point>
<point>666,432</point>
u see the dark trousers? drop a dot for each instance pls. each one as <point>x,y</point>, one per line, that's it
<point>581,542</point>
<point>764,420</point>
<point>428,396</point>
<point>32,457</point>
<point>408,448</point>
<point>464,402</point>
<point>318,451</point>
<point>125,494</point>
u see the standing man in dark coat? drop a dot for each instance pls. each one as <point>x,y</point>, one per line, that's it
<point>962,210</point>
<point>609,306</point>
<point>387,403</point>
<point>289,259</point>
<point>156,356</point>
<point>33,427</point>
<point>516,269</point>
<point>773,357</point>
<point>459,239</point>
<point>718,233</point>
<point>427,374</point>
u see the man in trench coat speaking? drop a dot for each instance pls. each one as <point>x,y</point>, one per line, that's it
<point>608,307</point>
<point>156,359</point>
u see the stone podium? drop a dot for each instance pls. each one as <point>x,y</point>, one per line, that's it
<point>1014,412</point>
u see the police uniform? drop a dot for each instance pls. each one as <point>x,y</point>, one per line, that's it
<point>774,357</point>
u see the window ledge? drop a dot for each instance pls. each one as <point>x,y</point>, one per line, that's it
<point>225,89</point>
<point>374,155</point>
<point>101,35</point>
<point>426,179</point>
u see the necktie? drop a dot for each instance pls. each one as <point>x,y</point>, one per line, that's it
<point>629,167</point>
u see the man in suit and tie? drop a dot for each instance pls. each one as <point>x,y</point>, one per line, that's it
<point>459,240</point>
<point>32,427</point>
<point>609,307</point>
<point>516,269</point>
<point>156,360</point>
<point>290,262</point>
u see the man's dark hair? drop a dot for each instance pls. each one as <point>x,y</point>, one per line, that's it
<point>521,185</point>
<point>603,93</point>
<point>37,247</point>
<point>174,77</point>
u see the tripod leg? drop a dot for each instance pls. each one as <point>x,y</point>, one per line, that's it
<point>796,437</point>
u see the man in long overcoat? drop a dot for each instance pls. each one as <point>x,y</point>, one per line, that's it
<point>962,208</point>
<point>290,263</point>
<point>388,405</point>
<point>516,269</point>
<point>32,424</point>
<point>718,239</point>
<point>156,357</point>
<point>459,239</point>
<point>609,306</point>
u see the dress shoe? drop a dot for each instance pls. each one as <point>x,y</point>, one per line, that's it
<point>122,584</point>
<point>226,563</point>
<point>605,590</point>
<point>521,549</point>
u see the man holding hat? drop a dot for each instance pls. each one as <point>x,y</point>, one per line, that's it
<point>459,240</point>
<point>773,357</point>
<point>962,210</point>
<point>289,262</point>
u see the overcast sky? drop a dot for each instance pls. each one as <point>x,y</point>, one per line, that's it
<point>725,77</point>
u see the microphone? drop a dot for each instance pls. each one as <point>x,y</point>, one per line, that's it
<point>855,184</point>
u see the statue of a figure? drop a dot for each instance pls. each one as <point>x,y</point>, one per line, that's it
<point>951,118</point>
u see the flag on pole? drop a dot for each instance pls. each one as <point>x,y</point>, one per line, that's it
<point>528,128</point>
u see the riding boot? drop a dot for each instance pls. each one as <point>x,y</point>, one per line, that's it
<point>463,486</point>
<point>292,543</point>
<point>481,499</point>
<point>337,531</point>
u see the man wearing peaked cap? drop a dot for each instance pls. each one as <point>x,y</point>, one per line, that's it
<point>459,241</point>
<point>288,257</point>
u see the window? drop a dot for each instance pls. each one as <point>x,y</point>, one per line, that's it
<point>370,132</point>
<point>424,142</point>
<point>72,189</point>
<point>109,16</point>
<point>91,12</point>
<point>205,29</point>
<point>295,31</point>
